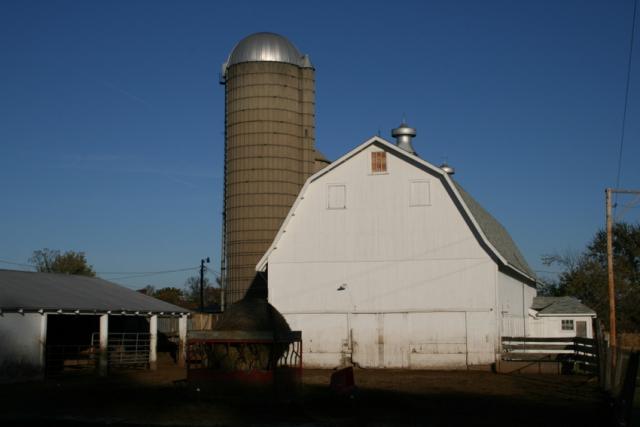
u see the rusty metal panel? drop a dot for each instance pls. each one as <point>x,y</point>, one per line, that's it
<point>269,149</point>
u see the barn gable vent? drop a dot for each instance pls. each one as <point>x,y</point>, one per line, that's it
<point>379,162</point>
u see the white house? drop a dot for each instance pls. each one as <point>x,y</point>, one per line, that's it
<point>385,261</point>
<point>558,317</point>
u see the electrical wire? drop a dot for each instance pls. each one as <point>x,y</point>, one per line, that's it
<point>145,272</point>
<point>626,96</point>
<point>130,274</point>
<point>2,261</point>
<point>136,276</point>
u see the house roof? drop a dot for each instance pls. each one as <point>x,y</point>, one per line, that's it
<point>30,291</point>
<point>489,230</point>
<point>560,305</point>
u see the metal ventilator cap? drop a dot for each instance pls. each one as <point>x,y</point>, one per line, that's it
<point>450,170</point>
<point>403,135</point>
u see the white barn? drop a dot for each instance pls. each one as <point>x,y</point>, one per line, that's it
<point>385,261</point>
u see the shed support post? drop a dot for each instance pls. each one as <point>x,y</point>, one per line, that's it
<point>153,342</point>
<point>43,343</point>
<point>103,362</point>
<point>182,344</point>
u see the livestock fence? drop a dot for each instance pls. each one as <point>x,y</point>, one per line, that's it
<point>616,369</point>
<point>549,354</point>
<point>124,350</point>
<point>619,378</point>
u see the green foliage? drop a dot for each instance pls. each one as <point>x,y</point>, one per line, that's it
<point>170,295</point>
<point>189,297</point>
<point>53,261</point>
<point>212,293</point>
<point>585,275</point>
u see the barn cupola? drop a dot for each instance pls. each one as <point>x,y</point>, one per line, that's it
<point>403,135</point>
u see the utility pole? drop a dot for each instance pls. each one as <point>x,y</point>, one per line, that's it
<point>612,289</point>
<point>202,269</point>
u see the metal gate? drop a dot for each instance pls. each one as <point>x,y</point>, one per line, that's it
<point>126,349</point>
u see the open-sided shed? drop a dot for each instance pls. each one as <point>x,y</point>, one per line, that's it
<point>50,322</point>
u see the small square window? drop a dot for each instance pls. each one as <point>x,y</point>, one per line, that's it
<point>378,162</point>
<point>567,325</point>
<point>336,196</point>
<point>420,193</point>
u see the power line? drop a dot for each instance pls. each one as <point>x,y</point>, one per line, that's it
<point>626,95</point>
<point>132,274</point>
<point>145,272</point>
<point>137,276</point>
<point>16,263</point>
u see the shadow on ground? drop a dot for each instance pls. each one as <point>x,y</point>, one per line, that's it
<point>384,398</point>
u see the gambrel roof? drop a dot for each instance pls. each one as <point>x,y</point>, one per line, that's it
<point>492,235</point>
<point>495,232</point>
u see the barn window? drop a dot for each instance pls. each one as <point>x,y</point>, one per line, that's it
<point>378,162</point>
<point>419,193</point>
<point>567,325</point>
<point>336,196</point>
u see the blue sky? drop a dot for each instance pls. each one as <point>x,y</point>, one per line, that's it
<point>111,115</point>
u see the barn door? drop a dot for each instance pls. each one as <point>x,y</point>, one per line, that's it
<point>581,328</point>
<point>364,340</point>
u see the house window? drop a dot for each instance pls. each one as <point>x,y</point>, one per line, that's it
<point>420,193</point>
<point>336,196</point>
<point>378,162</point>
<point>567,325</point>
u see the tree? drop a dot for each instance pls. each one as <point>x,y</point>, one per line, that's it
<point>585,275</point>
<point>169,294</point>
<point>52,261</point>
<point>212,293</point>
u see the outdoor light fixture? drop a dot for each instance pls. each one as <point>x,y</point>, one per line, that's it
<point>342,287</point>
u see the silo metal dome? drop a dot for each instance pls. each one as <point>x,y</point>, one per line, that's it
<point>266,47</point>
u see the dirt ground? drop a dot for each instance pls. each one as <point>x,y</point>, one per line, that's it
<point>384,398</point>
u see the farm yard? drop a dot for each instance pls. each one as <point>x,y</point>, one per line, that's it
<point>384,397</point>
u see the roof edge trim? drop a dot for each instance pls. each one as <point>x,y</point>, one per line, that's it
<point>262,264</point>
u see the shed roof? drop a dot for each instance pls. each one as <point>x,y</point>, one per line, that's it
<point>30,291</point>
<point>560,305</point>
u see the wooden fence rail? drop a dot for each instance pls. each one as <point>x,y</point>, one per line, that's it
<point>581,352</point>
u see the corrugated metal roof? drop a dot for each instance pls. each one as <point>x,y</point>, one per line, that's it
<point>495,232</point>
<point>31,291</point>
<point>560,305</point>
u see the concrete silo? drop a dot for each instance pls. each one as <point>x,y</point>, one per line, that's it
<point>269,149</point>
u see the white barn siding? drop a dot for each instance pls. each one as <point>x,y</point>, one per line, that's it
<point>420,290</point>
<point>515,298</point>
<point>21,344</point>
